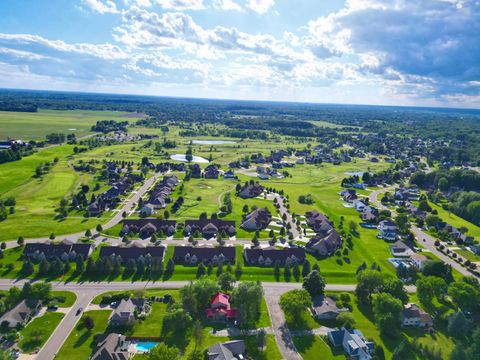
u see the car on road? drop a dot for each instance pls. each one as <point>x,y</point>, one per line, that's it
<point>79,311</point>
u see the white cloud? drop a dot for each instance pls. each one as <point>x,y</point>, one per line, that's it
<point>260,6</point>
<point>181,4</point>
<point>139,3</point>
<point>102,7</point>
<point>228,5</point>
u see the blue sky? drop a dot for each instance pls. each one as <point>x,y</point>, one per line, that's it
<point>398,52</point>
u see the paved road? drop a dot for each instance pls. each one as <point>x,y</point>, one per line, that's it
<point>425,239</point>
<point>283,210</point>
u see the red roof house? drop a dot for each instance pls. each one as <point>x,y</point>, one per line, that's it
<point>220,309</point>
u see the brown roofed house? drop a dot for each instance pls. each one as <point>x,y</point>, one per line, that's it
<point>257,220</point>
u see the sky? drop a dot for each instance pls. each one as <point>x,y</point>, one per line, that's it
<point>391,52</point>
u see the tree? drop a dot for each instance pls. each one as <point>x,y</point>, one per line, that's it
<point>196,296</point>
<point>261,339</point>
<point>197,334</point>
<point>295,302</point>
<point>464,295</point>
<point>226,280</point>
<point>163,352</point>
<point>99,228</point>
<point>3,245</point>
<point>346,320</point>
<point>247,297</point>
<point>438,268</point>
<point>314,283</point>
<point>80,265</point>
<point>88,233</point>
<point>201,270</point>
<point>41,291</point>
<point>457,325</point>
<point>386,310</point>
<point>306,268</point>
<point>20,241</point>
<point>353,226</point>
<point>402,222</point>
<point>44,267</point>
<point>428,287</point>
<point>88,323</point>
<point>395,288</point>
<point>368,282</point>
<point>27,268</point>
<point>6,354</point>
<point>176,321</point>
<point>401,351</point>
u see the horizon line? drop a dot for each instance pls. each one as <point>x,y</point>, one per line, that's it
<point>242,100</point>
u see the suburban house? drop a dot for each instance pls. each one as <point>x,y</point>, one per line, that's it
<point>404,194</point>
<point>370,214</point>
<point>412,315</point>
<point>65,250</point>
<point>419,260</point>
<point>134,251</point>
<point>324,245</point>
<point>209,228</point>
<point>401,249</point>
<point>126,311</point>
<point>271,255</point>
<point>250,190</point>
<point>147,227</point>
<point>195,171</point>
<point>211,172</point>
<point>388,230</point>
<point>21,313</point>
<point>220,309</point>
<point>349,195</point>
<point>319,222</point>
<point>257,220</point>
<point>147,210</point>
<point>112,347</point>
<point>188,255</point>
<point>229,174</point>
<point>324,308</point>
<point>353,343</point>
<point>359,204</point>
<point>230,350</point>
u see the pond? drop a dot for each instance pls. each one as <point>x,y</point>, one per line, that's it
<point>196,159</point>
<point>212,142</point>
<point>358,173</point>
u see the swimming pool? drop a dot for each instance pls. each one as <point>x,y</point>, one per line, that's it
<point>145,346</point>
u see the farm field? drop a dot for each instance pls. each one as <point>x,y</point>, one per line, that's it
<point>34,126</point>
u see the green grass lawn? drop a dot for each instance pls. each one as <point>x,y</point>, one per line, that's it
<point>80,342</point>
<point>468,255</point>
<point>34,126</point>
<point>68,296</point>
<point>457,221</point>
<point>37,198</point>
<point>37,332</point>
<point>314,347</point>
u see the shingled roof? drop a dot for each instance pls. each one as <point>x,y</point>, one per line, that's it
<point>183,254</point>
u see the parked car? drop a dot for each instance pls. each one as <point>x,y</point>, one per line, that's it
<point>79,311</point>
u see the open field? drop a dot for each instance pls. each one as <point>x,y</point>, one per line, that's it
<point>37,198</point>
<point>34,126</point>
